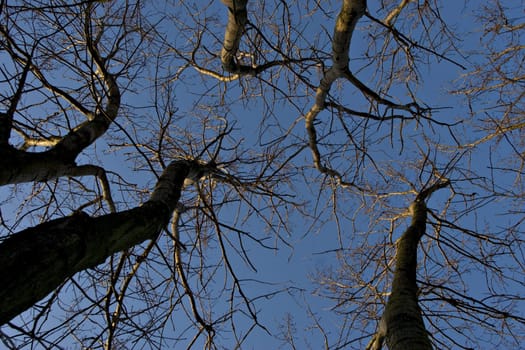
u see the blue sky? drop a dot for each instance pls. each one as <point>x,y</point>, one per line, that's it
<point>314,239</point>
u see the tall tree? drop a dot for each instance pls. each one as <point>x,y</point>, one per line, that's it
<point>160,161</point>
<point>402,323</point>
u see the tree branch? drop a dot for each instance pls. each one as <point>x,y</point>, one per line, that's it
<point>237,18</point>
<point>37,260</point>
<point>347,19</point>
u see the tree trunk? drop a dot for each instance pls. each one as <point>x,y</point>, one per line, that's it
<point>402,324</point>
<point>37,260</point>
<point>402,318</point>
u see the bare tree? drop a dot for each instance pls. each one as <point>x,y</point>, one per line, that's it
<point>68,67</point>
<point>451,309</point>
<point>219,133</point>
<point>497,72</point>
<point>402,323</point>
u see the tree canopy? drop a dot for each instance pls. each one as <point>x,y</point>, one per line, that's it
<point>299,174</point>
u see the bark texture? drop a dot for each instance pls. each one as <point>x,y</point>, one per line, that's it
<point>34,262</point>
<point>402,325</point>
<point>351,12</point>
<point>402,318</point>
<point>237,18</point>
<point>18,166</point>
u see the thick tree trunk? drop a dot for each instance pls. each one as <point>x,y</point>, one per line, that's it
<point>37,260</point>
<point>402,324</point>
<point>17,166</point>
<point>402,318</point>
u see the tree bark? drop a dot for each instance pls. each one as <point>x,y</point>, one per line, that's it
<point>402,318</point>
<point>351,12</point>
<point>402,324</point>
<point>237,18</point>
<point>37,260</point>
<point>18,166</point>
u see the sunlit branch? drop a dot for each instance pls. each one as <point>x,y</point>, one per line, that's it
<point>177,246</point>
<point>29,141</point>
<point>392,15</point>
<point>500,130</point>
<point>100,173</point>
<point>407,42</point>
<point>347,19</point>
<point>237,18</point>
<point>216,75</point>
<point>115,317</point>
<point>21,166</point>
<point>253,72</point>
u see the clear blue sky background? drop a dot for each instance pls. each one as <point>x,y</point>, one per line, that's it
<point>313,243</point>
